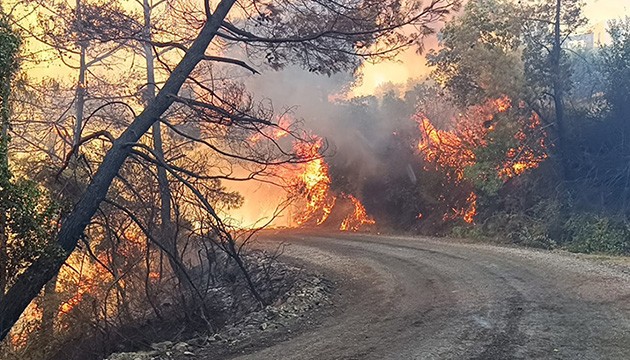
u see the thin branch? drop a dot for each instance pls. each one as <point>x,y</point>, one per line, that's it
<point>231,61</point>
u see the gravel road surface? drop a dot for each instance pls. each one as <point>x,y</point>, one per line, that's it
<point>417,298</point>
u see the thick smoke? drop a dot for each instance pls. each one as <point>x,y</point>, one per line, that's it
<point>367,136</point>
<point>361,116</point>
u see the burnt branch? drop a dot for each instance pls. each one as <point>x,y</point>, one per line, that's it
<point>231,61</point>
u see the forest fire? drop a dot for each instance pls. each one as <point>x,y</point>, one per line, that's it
<point>469,214</point>
<point>143,144</point>
<point>313,183</point>
<point>454,150</point>
<point>318,204</point>
<point>451,151</point>
<point>358,218</point>
<point>524,157</point>
<point>443,148</point>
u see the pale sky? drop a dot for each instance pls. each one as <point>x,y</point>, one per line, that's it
<point>408,65</point>
<point>603,10</point>
<point>412,66</point>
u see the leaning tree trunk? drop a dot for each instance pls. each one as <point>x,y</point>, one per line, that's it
<point>28,284</point>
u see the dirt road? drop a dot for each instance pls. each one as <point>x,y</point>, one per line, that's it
<point>413,298</point>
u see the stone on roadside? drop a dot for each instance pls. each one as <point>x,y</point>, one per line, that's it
<point>162,346</point>
<point>181,347</point>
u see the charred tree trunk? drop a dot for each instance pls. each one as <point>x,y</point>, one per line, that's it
<point>28,284</point>
<point>5,177</point>
<point>167,229</point>
<point>50,307</point>
<point>558,90</point>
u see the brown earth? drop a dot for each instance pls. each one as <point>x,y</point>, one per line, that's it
<point>418,298</point>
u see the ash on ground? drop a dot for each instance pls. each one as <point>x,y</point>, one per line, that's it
<point>302,294</point>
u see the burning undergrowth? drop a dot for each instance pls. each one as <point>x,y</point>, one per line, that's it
<point>321,205</point>
<point>315,202</point>
<point>462,153</point>
<point>306,179</point>
<point>403,162</point>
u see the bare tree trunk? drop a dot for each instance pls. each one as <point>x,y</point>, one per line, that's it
<point>558,89</point>
<point>4,167</point>
<point>28,284</point>
<point>167,228</point>
<point>81,86</point>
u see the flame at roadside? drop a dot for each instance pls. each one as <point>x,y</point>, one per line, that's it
<point>313,184</point>
<point>358,218</point>
<point>305,184</point>
<point>452,151</point>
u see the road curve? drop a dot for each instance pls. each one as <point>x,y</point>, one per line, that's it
<point>417,298</point>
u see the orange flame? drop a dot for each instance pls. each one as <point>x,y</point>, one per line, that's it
<point>523,158</point>
<point>453,150</point>
<point>315,182</point>
<point>443,148</point>
<point>469,214</point>
<point>358,218</point>
<point>466,213</point>
<point>277,132</point>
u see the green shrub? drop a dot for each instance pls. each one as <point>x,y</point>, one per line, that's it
<point>468,232</point>
<point>591,233</point>
<point>532,236</point>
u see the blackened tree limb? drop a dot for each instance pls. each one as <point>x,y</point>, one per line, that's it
<point>227,60</point>
<point>431,12</point>
<point>29,284</point>
<point>226,241</point>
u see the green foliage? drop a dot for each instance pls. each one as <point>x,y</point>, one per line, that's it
<point>31,218</point>
<point>616,67</point>
<point>483,174</point>
<point>594,233</point>
<point>9,47</point>
<point>27,215</point>
<point>538,37</point>
<point>499,47</point>
<point>489,158</point>
<point>528,231</point>
<point>534,226</point>
<point>480,54</point>
<point>468,232</point>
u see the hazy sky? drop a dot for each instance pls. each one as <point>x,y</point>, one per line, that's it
<point>411,65</point>
<point>602,10</point>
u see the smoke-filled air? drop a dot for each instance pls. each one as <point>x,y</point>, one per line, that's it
<point>213,179</point>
